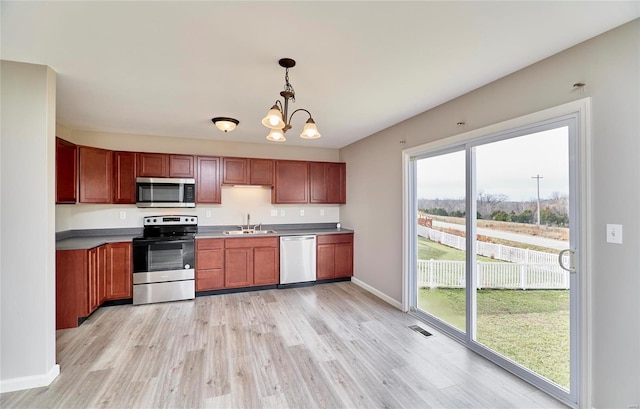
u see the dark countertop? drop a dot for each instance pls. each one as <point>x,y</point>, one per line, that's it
<point>87,239</point>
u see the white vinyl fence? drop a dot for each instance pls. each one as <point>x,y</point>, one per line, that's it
<point>527,269</point>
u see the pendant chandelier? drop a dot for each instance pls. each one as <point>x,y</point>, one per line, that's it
<point>278,119</point>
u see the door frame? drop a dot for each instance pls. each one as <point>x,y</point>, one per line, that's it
<point>582,108</point>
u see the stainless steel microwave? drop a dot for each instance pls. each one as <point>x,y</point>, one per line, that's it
<point>165,192</point>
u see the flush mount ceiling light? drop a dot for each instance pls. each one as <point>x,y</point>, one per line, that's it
<point>278,119</point>
<point>225,124</point>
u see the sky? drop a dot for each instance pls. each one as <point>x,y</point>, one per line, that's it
<point>506,167</point>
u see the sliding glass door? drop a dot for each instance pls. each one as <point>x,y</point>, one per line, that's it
<point>493,216</point>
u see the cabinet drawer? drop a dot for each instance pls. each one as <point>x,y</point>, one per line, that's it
<point>209,244</point>
<point>335,238</point>
<point>251,242</point>
<point>212,279</point>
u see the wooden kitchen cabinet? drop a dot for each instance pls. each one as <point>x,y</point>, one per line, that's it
<point>95,168</point>
<point>235,171</point>
<point>66,171</point>
<point>327,182</point>
<point>247,171</point>
<point>181,166</point>
<point>86,278</point>
<point>152,165</point>
<point>251,262</point>
<point>97,278</point>
<point>291,182</point>
<point>208,180</point>
<point>334,256</point>
<point>124,177</point>
<point>119,271</point>
<point>209,264</point>
<point>71,287</point>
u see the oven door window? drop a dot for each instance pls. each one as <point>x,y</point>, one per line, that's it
<point>166,256</point>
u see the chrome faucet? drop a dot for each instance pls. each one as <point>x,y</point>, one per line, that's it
<point>248,221</point>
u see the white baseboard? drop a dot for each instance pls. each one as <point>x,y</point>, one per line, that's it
<point>29,382</point>
<point>377,293</point>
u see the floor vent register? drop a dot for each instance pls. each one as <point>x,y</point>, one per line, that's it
<point>420,330</point>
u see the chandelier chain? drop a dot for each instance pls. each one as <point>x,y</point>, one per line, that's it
<point>288,87</point>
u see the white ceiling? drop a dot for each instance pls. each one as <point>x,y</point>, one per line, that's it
<point>167,68</point>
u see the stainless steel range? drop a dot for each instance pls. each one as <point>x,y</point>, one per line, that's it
<point>164,260</point>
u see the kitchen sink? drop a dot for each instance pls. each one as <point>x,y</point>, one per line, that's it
<point>248,232</point>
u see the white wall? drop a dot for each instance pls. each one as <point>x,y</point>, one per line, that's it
<point>27,266</point>
<point>610,66</point>
<point>236,201</point>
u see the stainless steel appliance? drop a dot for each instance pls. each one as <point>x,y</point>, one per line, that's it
<point>164,259</point>
<point>165,192</point>
<point>297,260</point>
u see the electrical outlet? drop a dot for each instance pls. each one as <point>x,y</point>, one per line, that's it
<point>123,215</point>
<point>614,233</point>
<point>321,212</point>
<point>274,212</point>
<point>301,212</point>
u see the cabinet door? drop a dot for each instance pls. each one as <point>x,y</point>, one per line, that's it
<point>325,261</point>
<point>66,171</point>
<point>343,259</point>
<point>266,265</point>
<point>119,271</point>
<point>291,183</point>
<point>124,177</point>
<point>180,166</point>
<point>95,175</point>
<point>235,171</point>
<point>152,165</point>
<point>102,274</point>
<point>327,183</point>
<point>92,279</point>
<point>238,267</point>
<point>71,287</point>
<point>261,172</point>
<point>336,183</point>
<point>209,264</point>
<point>208,180</point>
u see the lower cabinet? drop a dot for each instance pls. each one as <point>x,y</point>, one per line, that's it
<point>87,278</point>
<point>251,262</point>
<point>209,264</point>
<point>334,256</point>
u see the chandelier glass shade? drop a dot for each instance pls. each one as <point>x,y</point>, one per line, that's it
<point>277,118</point>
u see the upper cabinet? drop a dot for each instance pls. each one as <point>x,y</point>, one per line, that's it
<point>66,171</point>
<point>181,166</point>
<point>152,165</point>
<point>162,165</point>
<point>247,171</point>
<point>208,180</point>
<point>327,183</point>
<point>95,168</point>
<point>124,177</point>
<point>291,182</point>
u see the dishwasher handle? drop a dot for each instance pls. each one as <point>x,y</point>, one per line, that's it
<point>296,238</point>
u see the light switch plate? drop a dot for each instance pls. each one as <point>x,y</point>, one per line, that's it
<point>274,212</point>
<point>208,214</point>
<point>301,212</point>
<point>281,212</point>
<point>614,233</point>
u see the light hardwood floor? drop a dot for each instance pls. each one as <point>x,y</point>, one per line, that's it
<point>327,346</point>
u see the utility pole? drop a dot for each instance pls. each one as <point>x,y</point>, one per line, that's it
<point>538,177</point>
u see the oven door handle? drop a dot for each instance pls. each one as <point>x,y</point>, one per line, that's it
<point>156,241</point>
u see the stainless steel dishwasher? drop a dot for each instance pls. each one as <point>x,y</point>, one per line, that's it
<point>297,260</point>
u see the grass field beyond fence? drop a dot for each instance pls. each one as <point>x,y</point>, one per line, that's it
<point>529,327</point>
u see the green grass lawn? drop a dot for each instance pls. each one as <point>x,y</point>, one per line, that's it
<point>529,327</point>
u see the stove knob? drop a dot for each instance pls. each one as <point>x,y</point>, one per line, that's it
<point>187,266</point>
<point>154,220</point>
